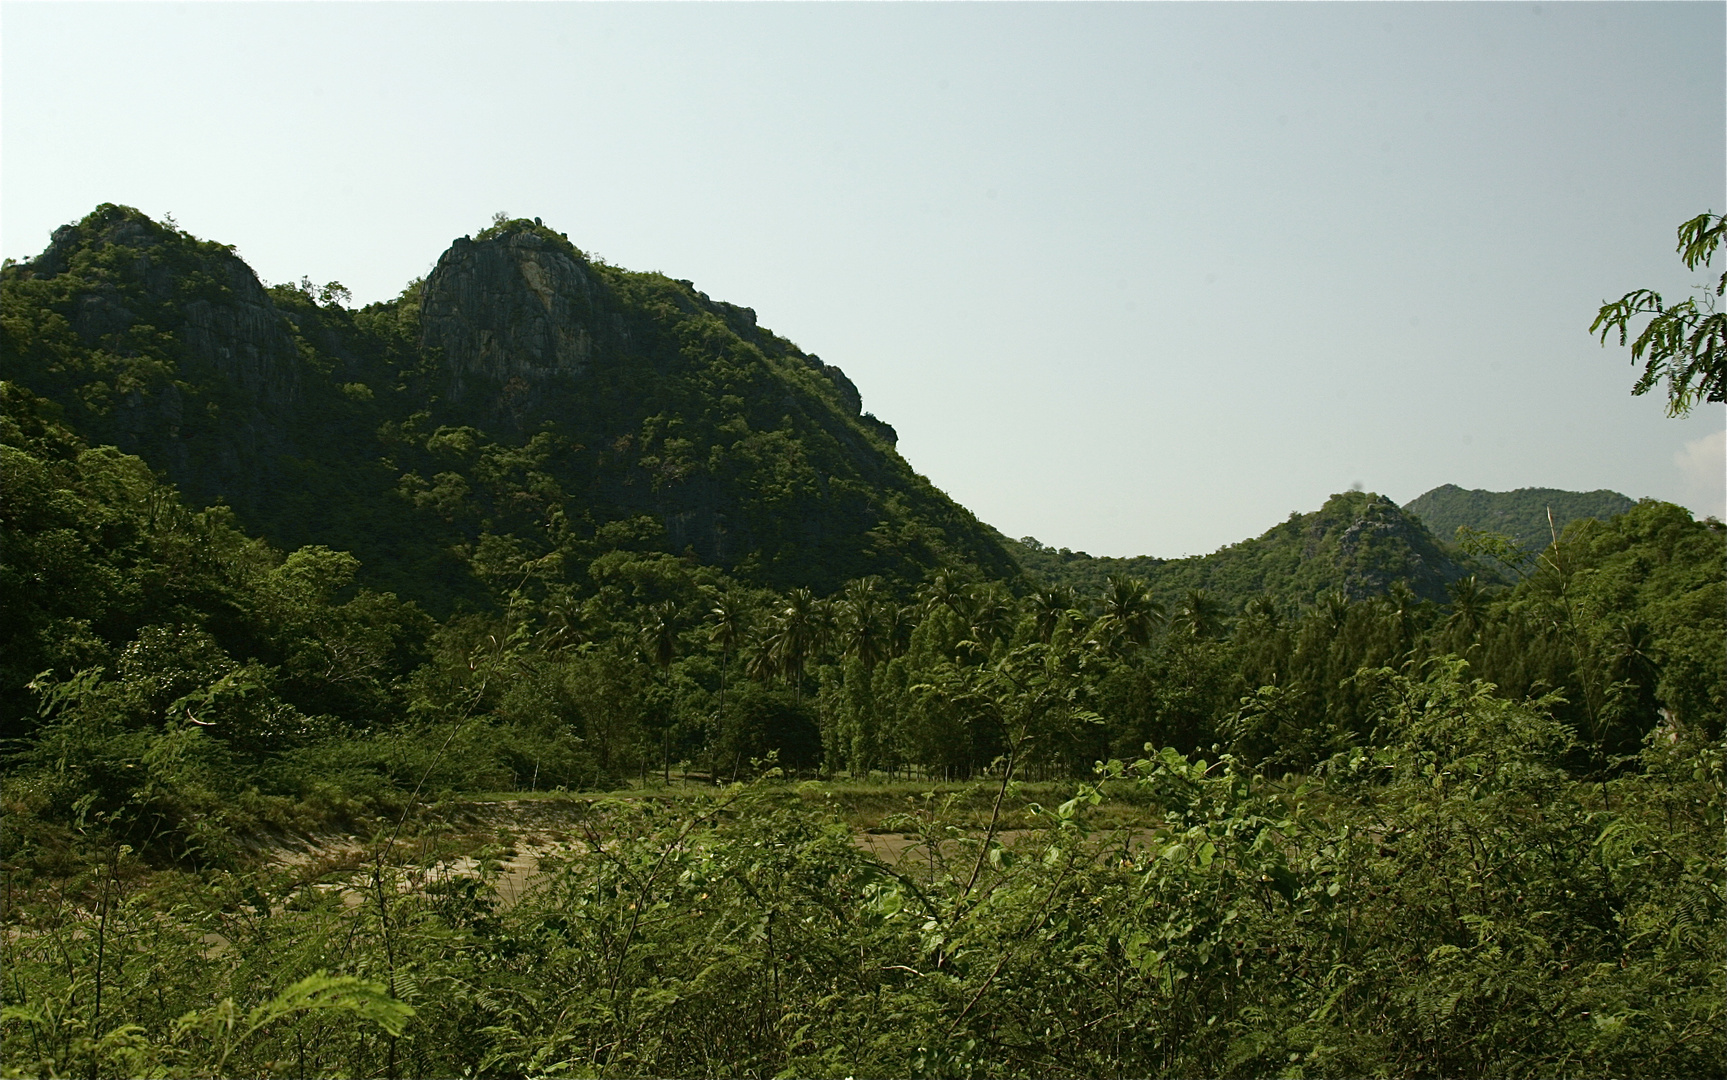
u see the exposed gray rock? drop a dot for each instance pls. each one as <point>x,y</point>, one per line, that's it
<point>850,399</point>
<point>881,427</point>
<point>246,341</point>
<point>1384,545</point>
<point>225,374</point>
<point>511,307</point>
<point>240,337</point>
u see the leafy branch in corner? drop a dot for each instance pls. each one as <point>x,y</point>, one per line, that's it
<point>1685,344</point>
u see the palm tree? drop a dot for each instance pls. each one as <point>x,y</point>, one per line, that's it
<point>1468,609</point>
<point>799,631</point>
<point>945,590</point>
<point>991,615</point>
<point>561,628</point>
<point>824,621</point>
<point>1332,610</point>
<point>1129,612</point>
<point>728,627</point>
<point>1400,608</point>
<point>1049,607</point>
<point>659,638</point>
<point>859,613</point>
<point>862,638</point>
<point>1631,654</point>
<point>898,621</point>
<point>1199,616</point>
<point>1264,611</point>
<point>763,663</point>
<point>659,634</point>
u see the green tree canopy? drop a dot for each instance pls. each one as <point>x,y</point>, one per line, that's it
<point>1685,344</point>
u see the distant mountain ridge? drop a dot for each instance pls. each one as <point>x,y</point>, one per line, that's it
<point>1522,514</point>
<point>1359,544</point>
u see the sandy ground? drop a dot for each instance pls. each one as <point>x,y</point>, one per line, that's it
<point>525,831</point>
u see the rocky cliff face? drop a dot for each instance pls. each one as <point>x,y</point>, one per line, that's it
<point>850,399</point>
<point>515,309</point>
<point>169,347</point>
<point>1381,545</point>
<point>520,384</point>
<point>127,273</point>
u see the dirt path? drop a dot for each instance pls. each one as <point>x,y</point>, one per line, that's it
<point>505,841</point>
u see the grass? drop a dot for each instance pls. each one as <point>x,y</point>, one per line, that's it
<point>871,805</point>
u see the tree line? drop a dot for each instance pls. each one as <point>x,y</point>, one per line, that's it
<point>162,665</point>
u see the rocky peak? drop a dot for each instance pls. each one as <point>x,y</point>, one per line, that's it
<point>130,271</point>
<point>518,303</point>
<point>1381,544</point>
<point>847,390</point>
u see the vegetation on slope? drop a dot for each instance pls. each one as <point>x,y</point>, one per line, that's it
<point>1358,543</point>
<point>1531,517</point>
<point>687,428</point>
<point>130,617</point>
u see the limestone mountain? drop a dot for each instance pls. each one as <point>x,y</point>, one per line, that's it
<point>524,409</point>
<point>1522,514</point>
<point>1359,544</point>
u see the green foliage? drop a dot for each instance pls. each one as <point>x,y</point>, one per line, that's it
<point>1358,543</point>
<point>266,677</point>
<point>158,664</point>
<point>1340,805</point>
<point>1685,344</point>
<point>1624,618</point>
<point>1448,900</point>
<point>504,225</point>
<point>321,425</point>
<point>1532,517</point>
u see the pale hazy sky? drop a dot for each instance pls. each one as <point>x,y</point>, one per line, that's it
<point>1132,278</point>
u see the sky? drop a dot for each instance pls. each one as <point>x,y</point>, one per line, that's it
<point>1128,278</point>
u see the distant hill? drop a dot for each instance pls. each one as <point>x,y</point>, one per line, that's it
<point>521,411</point>
<point>1520,514</point>
<point>1358,543</point>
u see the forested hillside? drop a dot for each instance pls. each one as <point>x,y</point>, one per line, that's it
<point>1530,516</point>
<point>513,416</point>
<point>1358,543</point>
<point>133,617</point>
<point>313,620</point>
